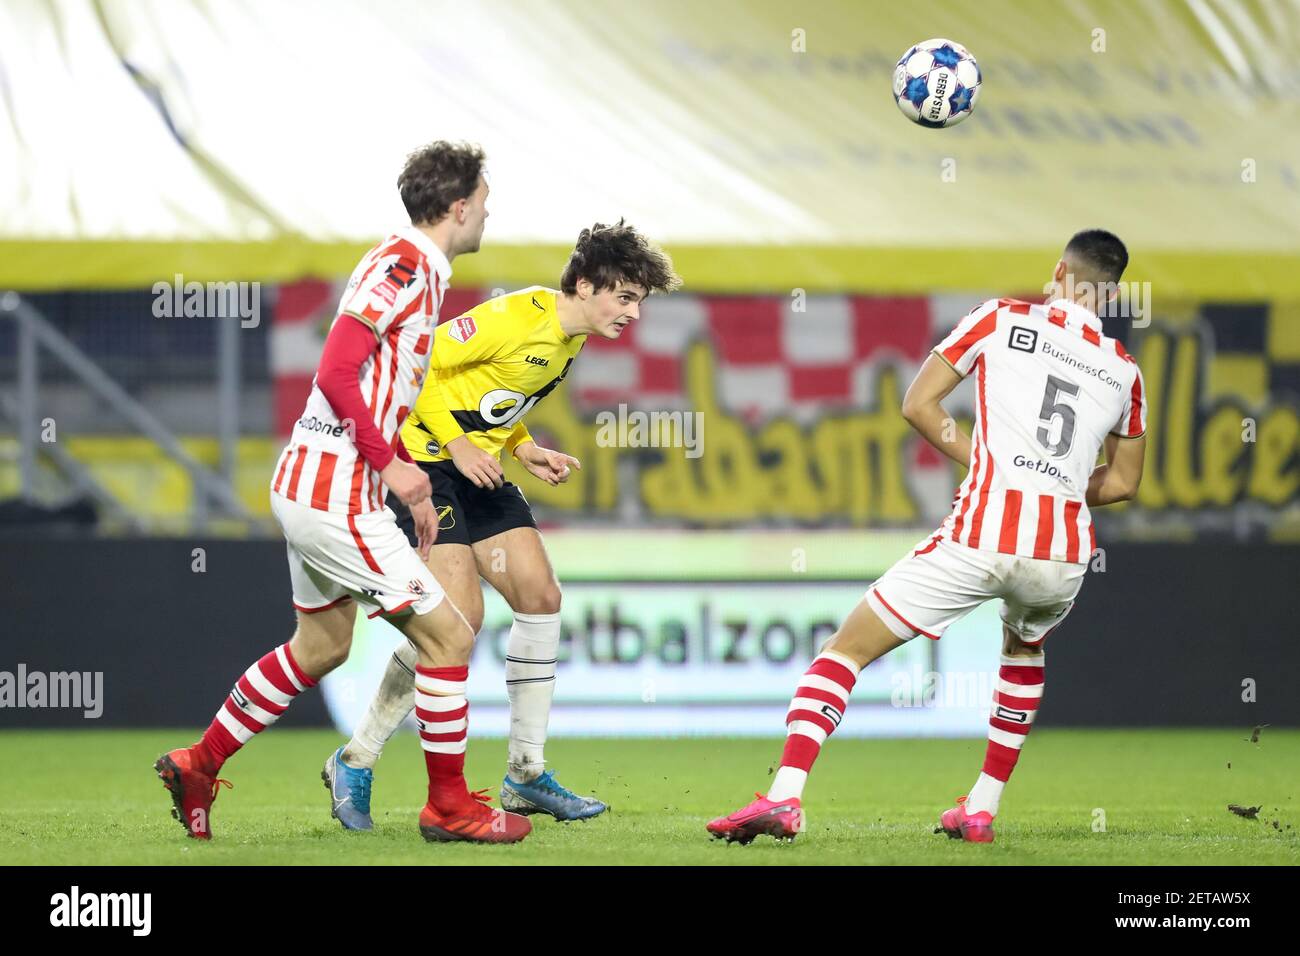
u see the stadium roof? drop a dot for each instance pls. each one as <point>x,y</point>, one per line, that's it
<point>757,140</point>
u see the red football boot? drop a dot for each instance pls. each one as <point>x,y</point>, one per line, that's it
<point>782,820</point>
<point>193,790</point>
<point>473,822</point>
<point>971,827</point>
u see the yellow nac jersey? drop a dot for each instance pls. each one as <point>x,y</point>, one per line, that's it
<point>488,367</point>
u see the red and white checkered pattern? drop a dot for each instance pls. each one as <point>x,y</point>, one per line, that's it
<point>769,359</point>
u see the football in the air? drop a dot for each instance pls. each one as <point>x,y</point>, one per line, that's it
<point>936,83</point>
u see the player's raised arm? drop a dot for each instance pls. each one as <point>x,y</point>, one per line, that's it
<point>924,411</point>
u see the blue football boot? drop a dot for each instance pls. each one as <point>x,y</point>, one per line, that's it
<point>349,789</point>
<point>548,795</point>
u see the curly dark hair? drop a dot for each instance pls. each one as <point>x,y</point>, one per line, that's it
<point>437,175</point>
<point>607,255</point>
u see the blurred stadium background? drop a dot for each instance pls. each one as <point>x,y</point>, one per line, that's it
<point>826,245</point>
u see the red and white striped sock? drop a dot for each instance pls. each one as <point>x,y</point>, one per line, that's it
<point>1015,704</point>
<point>442,713</point>
<point>257,700</point>
<point>815,711</point>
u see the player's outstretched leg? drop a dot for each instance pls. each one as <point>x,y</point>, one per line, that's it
<point>444,639</point>
<point>526,579</point>
<point>350,774</point>
<point>528,787</point>
<point>815,711</point>
<point>349,771</point>
<point>1015,704</point>
<point>257,700</point>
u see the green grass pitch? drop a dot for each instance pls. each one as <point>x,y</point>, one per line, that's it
<point>90,797</point>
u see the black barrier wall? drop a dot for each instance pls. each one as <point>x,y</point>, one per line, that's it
<point>1166,636</point>
<point>170,640</point>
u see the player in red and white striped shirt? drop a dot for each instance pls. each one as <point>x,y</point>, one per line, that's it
<point>344,544</point>
<point>1051,392</point>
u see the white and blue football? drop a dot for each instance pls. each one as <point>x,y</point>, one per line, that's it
<point>936,83</point>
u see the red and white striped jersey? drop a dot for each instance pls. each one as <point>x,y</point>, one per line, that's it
<point>1050,387</point>
<point>397,290</point>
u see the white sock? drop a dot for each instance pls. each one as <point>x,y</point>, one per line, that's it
<point>788,782</point>
<point>984,796</point>
<point>530,682</point>
<point>392,702</point>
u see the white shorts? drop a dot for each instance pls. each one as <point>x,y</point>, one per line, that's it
<point>337,557</point>
<point>941,582</point>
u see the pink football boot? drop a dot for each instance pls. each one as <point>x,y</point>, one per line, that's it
<point>782,820</point>
<point>971,827</point>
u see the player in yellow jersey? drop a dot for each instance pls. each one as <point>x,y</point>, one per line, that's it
<point>487,369</point>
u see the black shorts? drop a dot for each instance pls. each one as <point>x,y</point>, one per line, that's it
<point>466,512</point>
